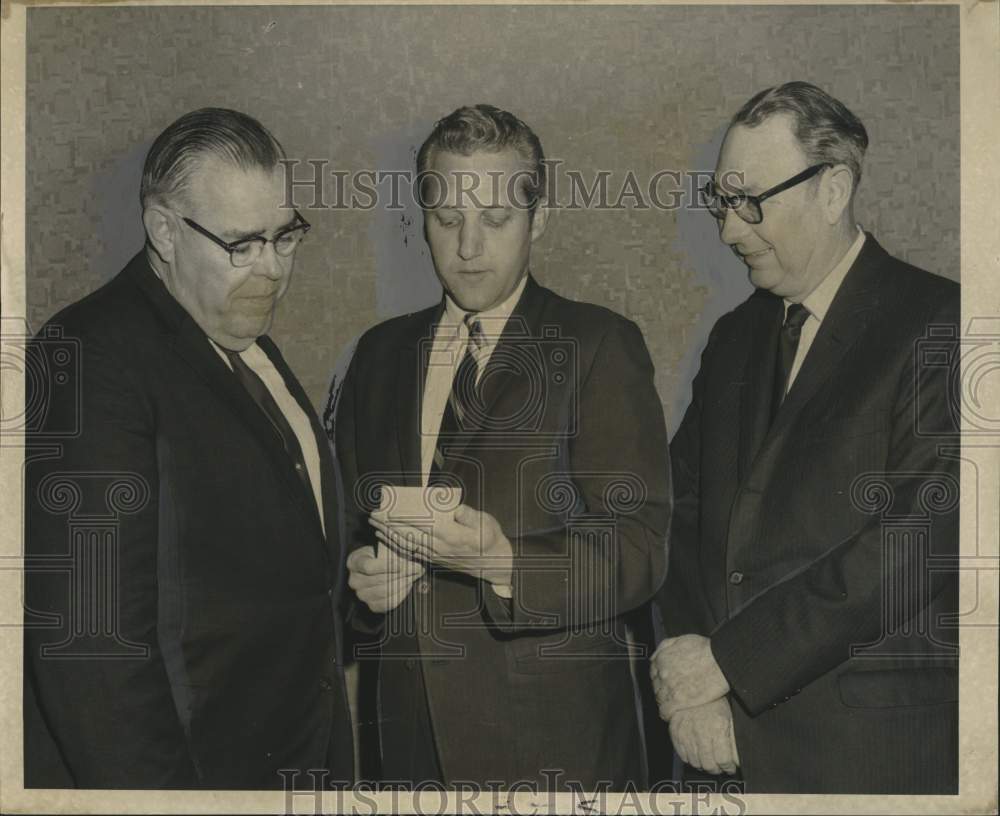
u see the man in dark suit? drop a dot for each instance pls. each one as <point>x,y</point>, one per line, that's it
<point>182,533</point>
<point>503,646</point>
<point>816,484</point>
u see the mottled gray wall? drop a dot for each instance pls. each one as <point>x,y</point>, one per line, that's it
<point>616,88</point>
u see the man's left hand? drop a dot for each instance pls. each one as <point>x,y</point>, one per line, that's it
<point>685,674</point>
<point>472,542</point>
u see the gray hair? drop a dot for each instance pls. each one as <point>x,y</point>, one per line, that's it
<point>826,130</point>
<point>220,132</point>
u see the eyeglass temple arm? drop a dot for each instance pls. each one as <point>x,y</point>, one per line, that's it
<point>797,179</point>
<point>213,238</point>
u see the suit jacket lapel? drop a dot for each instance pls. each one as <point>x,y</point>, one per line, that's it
<point>755,413</point>
<point>411,376</point>
<point>328,485</point>
<point>190,342</point>
<point>511,371</point>
<point>852,309</point>
<point>508,372</point>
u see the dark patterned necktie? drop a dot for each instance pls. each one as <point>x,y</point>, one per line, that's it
<point>788,344</point>
<point>256,388</point>
<point>464,403</point>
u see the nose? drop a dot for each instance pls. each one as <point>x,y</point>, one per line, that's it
<point>270,264</point>
<point>732,228</point>
<point>470,239</point>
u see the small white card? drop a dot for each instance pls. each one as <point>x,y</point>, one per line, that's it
<point>420,506</point>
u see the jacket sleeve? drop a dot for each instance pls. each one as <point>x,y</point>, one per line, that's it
<point>681,605</point>
<point>102,690</point>
<point>619,467</point>
<point>357,531</point>
<point>805,625</point>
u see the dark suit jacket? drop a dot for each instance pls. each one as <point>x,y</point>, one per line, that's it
<point>815,553</point>
<point>203,650</point>
<point>572,461</point>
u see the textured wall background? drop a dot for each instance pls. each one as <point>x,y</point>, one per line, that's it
<point>614,88</point>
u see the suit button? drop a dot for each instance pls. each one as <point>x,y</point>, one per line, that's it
<point>326,685</point>
<point>736,577</point>
<point>410,663</point>
<point>423,586</point>
<point>298,466</point>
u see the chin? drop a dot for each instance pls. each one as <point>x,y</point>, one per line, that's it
<point>765,279</point>
<point>470,299</point>
<point>250,328</point>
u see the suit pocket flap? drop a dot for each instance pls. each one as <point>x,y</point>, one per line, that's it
<point>889,688</point>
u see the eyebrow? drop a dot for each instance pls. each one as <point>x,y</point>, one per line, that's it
<point>729,189</point>
<point>488,207</point>
<point>234,236</point>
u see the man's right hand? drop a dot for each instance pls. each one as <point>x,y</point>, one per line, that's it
<point>703,737</point>
<point>382,582</point>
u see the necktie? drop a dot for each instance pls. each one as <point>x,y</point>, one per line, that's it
<point>256,388</point>
<point>464,401</point>
<point>788,344</point>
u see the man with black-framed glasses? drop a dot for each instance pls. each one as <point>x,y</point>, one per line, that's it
<point>207,653</point>
<point>815,498</point>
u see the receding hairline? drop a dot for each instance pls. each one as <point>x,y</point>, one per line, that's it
<point>194,167</point>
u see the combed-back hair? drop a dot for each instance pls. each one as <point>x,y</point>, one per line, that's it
<point>474,128</point>
<point>827,131</point>
<point>220,132</point>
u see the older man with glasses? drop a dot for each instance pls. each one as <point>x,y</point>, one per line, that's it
<point>195,641</point>
<point>816,485</point>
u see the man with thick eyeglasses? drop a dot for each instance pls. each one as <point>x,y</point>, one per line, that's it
<point>747,206</point>
<point>804,646</point>
<point>214,659</point>
<point>247,251</point>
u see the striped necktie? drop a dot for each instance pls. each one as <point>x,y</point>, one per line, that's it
<point>464,405</point>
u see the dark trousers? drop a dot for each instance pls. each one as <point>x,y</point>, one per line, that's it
<point>408,753</point>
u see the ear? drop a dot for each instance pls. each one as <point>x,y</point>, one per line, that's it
<point>839,185</point>
<point>539,219</point>
<point>160,230</point>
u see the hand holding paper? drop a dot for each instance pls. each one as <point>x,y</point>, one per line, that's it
<point>470,541</point>
<point>381,581</point>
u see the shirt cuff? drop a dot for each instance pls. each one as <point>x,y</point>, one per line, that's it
<point>503,590</point>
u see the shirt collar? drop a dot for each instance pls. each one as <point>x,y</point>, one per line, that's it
<point>493,321</point>
<point>819,299</point>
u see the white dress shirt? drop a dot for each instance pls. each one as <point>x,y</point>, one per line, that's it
<point>262,366</point>
<point>451,338</point>
<point>818,301</point>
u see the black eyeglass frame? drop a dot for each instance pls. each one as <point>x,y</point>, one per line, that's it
<point>231,246</point>
<point>739,203</point>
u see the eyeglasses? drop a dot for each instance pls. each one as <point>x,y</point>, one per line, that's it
<point>246,252</point>
<point>747,206</point>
